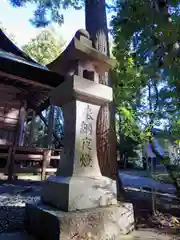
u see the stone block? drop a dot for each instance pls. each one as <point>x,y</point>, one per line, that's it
<point>78,88</point>
<point>75,193</point>
<point>46,223</point>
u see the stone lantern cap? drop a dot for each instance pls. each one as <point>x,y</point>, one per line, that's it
<point>81,49</point>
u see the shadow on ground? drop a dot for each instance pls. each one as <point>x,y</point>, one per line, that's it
<point>13,197</point>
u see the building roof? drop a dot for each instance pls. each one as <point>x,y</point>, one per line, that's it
<point>10,51</point>
<point>24,72</point>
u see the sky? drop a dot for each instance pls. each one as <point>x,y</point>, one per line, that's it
<point>16,21</point>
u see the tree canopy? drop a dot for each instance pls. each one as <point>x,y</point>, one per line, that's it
<point>146,35</point>
<point>146,79</point>
<point>45,47</point>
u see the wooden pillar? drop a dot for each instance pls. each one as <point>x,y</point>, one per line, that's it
<point>45,163</point>
<point>10,163</point>
<point>50,126</point>
<point>18,140</point>
<point>20,124</point>
<point>31,134</point>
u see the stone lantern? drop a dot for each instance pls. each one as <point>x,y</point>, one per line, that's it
<point>79,201</point>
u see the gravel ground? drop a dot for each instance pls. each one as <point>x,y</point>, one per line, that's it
<point>13,198</point>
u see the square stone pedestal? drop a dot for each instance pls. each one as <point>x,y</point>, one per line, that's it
<point>78,193</point>
<point>105,223</point>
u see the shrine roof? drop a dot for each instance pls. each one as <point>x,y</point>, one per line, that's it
<point>16,64</point>
<point>13,57</point>
<point>10,51</point>
<point>19,70</point>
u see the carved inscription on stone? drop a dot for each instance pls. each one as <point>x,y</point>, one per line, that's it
<point>86,139</point>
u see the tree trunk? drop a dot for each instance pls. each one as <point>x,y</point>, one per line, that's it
<point>96,25</point>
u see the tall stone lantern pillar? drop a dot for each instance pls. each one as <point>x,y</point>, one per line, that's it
<point>83,202</point>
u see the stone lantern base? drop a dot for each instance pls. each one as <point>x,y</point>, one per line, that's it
<point>47,223</point>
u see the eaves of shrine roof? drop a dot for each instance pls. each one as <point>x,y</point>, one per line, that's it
<point>21,71</point>
<point>10,51</point>
<point>14,62</point>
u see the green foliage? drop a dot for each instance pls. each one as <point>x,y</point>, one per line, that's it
<point>146,34</point>
<point>127,124</point>
<point>146,79</point>
<point>40,136</point>
<point>176,129</point>
<point>44,48</point>
<point>146,48</point>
